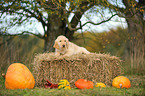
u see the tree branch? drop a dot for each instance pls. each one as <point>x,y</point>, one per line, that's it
<point>113,7</point>
<point>95,23</point>
<point>78,14</point>
<point>27,11</point>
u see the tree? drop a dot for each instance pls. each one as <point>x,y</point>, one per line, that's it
<point>53,15</point>
<point>134,12</point>
<point>136,31</point>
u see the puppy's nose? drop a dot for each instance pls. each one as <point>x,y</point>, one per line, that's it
<point>63,45</point>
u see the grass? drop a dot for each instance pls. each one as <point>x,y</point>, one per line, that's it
<point>110,91</point>
<point>135,90</point>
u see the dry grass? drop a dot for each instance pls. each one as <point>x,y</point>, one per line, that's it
<point>94,67</point>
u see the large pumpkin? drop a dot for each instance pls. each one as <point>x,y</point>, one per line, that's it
<point>84,84</point>
<point>121,82</point>
<point>18,76</point>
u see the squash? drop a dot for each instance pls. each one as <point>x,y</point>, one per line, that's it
<point>84,84</point>
<point>64,84</point>
<point>121,82</point>
<point>100,85</point>
<point>18,76</point>
<point>48,84</point>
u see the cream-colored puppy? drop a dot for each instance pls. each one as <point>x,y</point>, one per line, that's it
<point>64,47</point>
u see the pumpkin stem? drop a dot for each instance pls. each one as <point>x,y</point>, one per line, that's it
<point>120,85</point>
<point>85,80</point>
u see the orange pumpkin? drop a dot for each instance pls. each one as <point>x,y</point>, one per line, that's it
<point>18,76</point>
<point>121,82</point>
<point>84,84</point>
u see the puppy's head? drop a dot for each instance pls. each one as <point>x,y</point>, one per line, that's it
<point>61,42</point>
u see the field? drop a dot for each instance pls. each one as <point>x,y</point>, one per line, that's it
<point>24,53</point>
<point>137,89</point>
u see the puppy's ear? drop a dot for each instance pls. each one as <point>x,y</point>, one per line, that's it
<point>56,44</point>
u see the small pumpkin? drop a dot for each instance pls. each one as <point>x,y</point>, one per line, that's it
<point>100,85</point>
<point>64,84</point>
<point>121,82</point>
<point>18,76</point>
<point>84,84</point>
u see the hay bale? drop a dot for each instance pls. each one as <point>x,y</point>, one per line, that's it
<point>94,67</point>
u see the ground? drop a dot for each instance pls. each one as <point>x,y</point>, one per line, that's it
<point>137,89</point>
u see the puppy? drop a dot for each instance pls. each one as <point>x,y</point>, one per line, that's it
<point>64,47</point>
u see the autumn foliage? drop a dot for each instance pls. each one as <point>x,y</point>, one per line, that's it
<point>112,42</point>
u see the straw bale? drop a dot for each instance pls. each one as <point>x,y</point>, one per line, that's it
<point>94,67</point>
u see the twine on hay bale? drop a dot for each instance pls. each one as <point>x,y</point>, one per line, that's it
<point>94,67</point>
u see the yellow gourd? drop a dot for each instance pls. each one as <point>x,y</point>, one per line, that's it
<point>64,84</point>
<point>100,85</point>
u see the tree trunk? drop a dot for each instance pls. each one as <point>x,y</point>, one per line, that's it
<point>57,23</point>
<point>136,41</point>
<point>56,27</point>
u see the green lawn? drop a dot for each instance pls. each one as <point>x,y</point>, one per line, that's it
<point>109,91</point>
<point>135,90</point>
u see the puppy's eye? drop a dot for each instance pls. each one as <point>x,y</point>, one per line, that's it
<point>60,41</point>
<point>64,40</point>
